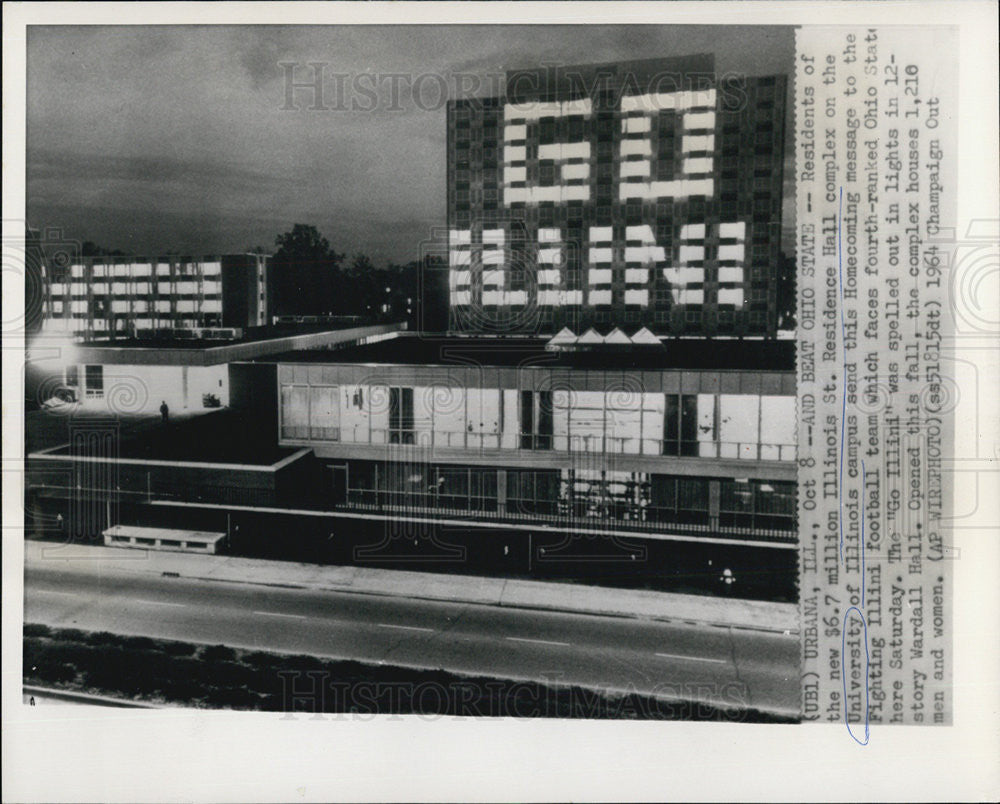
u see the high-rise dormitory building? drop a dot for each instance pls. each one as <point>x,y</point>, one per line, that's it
<point>635,194</point>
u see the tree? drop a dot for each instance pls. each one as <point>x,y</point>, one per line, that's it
<point>387,294</point>
<point>303,240</point>
<point>306,272</point>
<point>363,289</point>
<point>90,249</point>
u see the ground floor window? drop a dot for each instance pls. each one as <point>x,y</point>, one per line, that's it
<point>680,499</point>
<point>627,499</point>
<point>757,504</point>
<point>421,486</point>
<point>533,492</point>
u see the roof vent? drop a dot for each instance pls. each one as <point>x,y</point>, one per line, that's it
<point>617,338</point>
<point>562,340</point>
<point>590,338</point>
<point>646,338</point>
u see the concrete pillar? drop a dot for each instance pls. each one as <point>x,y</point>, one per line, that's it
<point>714,498</point>
<point>501,491</point>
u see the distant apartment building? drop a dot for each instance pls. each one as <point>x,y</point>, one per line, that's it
<point>111,297</point>
<point>642,194</point>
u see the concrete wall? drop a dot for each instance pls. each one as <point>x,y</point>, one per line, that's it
<point>253,387</point>
<point>244,302</point>
<point>138,481</point>
<point>91,482</point>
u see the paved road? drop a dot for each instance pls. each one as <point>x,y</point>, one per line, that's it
<point>701,663</point>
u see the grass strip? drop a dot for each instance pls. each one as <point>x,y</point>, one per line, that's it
<point>219,677</point>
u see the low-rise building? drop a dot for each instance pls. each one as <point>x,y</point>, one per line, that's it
<point>686,441</point>
<point>650,464</point>
<point>122,297</point>
<point>138,375</point>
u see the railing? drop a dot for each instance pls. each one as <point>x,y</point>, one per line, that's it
<point>583,515</point>
<point>534,442</point>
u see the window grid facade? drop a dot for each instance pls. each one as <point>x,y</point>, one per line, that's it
<point>618,202</point>
<point>756,427</point>
<point>127,296</point>
<point>579,498</point>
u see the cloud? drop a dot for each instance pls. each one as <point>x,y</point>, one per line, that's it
<point>174,137</point>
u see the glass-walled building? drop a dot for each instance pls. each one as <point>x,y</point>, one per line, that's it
<point>695,441</point>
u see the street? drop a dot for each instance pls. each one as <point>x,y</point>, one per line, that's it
<point>700,663</point>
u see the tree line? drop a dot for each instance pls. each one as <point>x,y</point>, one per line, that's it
<point>309,277</point>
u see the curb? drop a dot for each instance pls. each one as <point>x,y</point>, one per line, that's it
<point>498,604</point>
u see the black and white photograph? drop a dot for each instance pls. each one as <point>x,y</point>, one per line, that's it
<point>576,374</point>
<point>499,419</point>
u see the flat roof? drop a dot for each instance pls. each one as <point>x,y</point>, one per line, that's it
<point>250,335</point>
<point>224,436</point>
<point>141,259</point>
<point>195,352</point>
<point>680,353</point>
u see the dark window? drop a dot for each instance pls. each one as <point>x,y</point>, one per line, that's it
<point>544,440</point>
<point>401,415</point>
<point>530,492</point>
<point>546,132</point>
<point>762,505</point>
<point>680,425</point>
<point>95,380</point>
<point>527,419</point>
<point>689,424</point>
<point>679,499</point>
<point>536,420</point>
<point>671,425</point>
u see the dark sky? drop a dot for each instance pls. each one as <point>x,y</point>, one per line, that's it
<point>174,138</point>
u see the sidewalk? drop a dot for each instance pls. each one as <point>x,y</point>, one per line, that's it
<point>639,603</point>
